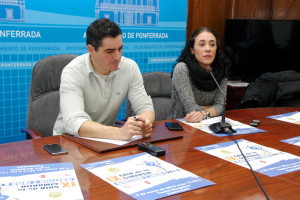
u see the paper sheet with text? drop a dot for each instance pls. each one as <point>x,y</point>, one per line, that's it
<point>293,140</point>
<point>144,176</point>
<point>265,160</point>
<point>291,117</point>
<point>117,142</point>
<point>40,181</point>
<point>239,127</point>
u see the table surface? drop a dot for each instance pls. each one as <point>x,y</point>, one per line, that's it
<point>232,181</point>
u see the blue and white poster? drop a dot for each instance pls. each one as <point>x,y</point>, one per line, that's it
<point>291,117</point>
<point>264,160</point>
<point>40,181</point>
<point>239,127</point>
<point>294,141</point>
<point>30,30</point>
<point>144,176</point>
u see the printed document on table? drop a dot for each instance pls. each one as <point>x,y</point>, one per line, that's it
<point>40,181</point>
<point>294,141</point>
<point>292,117</point>
<point>117,142</point>
<point>144,176</point>
<point>264,160</point>
<point>239,127</point>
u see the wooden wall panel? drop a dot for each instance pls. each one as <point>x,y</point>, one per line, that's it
<point>286,9</point>
<point>251,9</point>
<point>209,13</point>
<point>213,13</point>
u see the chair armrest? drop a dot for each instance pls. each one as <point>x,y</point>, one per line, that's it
<point>31,134</point>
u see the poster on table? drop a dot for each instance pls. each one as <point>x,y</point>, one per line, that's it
<point>291,117</point>
<point>144,176</point>
<point>40,181</point>
<point>265,160</point>
<point>239,127</point>
<point>293,140</point>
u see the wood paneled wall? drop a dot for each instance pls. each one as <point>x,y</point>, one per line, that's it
<point>213,13</point>
<point>209,13</point>
<point>251,9</point>
<point>286,9</point>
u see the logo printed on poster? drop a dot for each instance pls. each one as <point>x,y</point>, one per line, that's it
<point>12,11</point>
<point>131,13</point>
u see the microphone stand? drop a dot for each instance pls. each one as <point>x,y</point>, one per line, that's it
<point>224,127</point>
<point>221,127</point>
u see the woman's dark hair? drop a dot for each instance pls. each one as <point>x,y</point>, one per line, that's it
<point>100,29</point>
<point>221,60</point>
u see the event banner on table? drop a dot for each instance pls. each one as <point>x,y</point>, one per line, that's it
<point>143,176</point>
<point>264,160</point>
<point>291,117</point>
<point>294,141</point>
<point>239,127</point>
<point>41,181</point>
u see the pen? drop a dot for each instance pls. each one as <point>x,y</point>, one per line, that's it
<point>136,119</point>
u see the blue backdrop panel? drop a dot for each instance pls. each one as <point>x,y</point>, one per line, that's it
<point>31,30</point>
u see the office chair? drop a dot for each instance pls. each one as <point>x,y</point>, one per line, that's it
<point>278,89</point>
<point>159,86</point>
<point>43,102</point>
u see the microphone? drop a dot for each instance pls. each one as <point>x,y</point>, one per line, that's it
<point>220,127</point>
<point>224,127</point>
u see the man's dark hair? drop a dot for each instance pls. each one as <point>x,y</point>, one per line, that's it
<point>100,29</point>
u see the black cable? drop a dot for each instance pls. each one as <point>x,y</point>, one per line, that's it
<point>253,172</point>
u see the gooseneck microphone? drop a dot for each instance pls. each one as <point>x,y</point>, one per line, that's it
<point>223,126</point>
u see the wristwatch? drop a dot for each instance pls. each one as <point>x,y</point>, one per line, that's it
<point>207,116</point>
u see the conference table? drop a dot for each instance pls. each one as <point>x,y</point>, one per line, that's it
<point>231,181</point>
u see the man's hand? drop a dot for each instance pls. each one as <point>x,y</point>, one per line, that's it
<point>136,126</point>
<point>147,128</point>
<point>131,127</point>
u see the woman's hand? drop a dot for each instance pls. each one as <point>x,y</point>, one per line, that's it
<point>195,116</point>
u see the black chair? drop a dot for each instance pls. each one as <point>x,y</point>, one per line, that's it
<point>159,86</point>
<point>279,89</point>
<point>43,103</point>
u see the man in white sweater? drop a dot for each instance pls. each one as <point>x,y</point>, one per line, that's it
<point>94,85</point>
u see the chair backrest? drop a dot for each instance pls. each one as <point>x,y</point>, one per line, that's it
<point>159,86</point>
<point>43,103</point>
<point>273,89</point>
